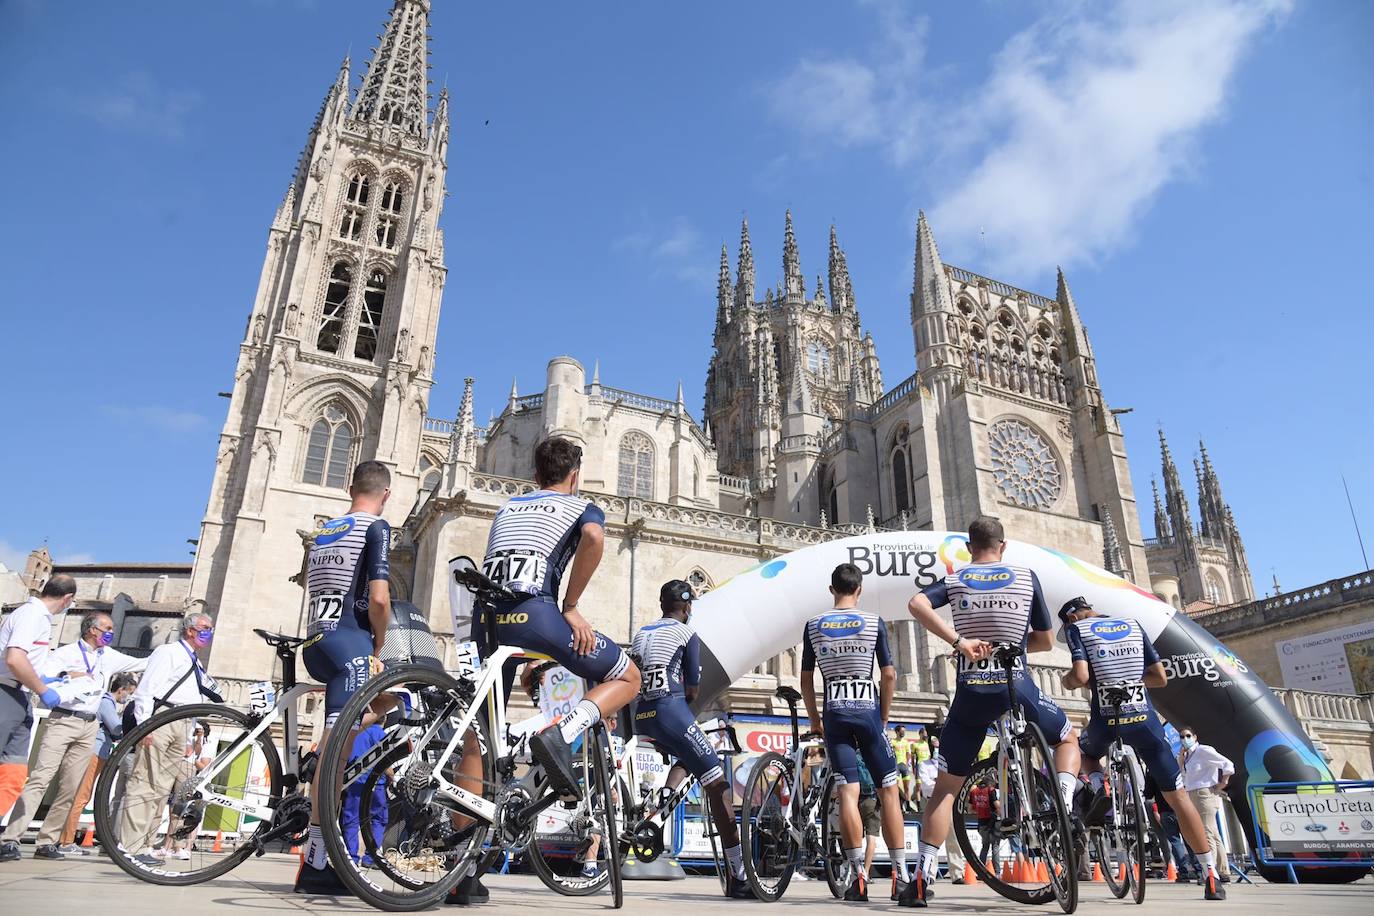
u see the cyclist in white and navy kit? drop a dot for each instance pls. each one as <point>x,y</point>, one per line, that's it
<point>533,539</point>
<point>991,602</point>
<point>1114,652</point>
<point>668,653</point>
<point>847,644</point>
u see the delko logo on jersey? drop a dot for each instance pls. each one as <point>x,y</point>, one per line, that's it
<point>1110,630</point>
<point>332,530</point>
<point>985,578</point>
<point>838,626</point>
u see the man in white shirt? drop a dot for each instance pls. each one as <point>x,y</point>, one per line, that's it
<point>173,677</point>
<point>1205,775</point>
<point>83,668</point>
<point>24,638</point>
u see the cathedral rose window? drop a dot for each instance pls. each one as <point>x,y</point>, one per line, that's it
<point>1024,465</point>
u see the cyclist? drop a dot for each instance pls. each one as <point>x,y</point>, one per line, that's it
<point>847,643</point>
<point>1115,652</point>
<point>533,538</point>
<point>668,654</point>
<point>349,607</point>
<point>904,749</point>
<point>991,602</point>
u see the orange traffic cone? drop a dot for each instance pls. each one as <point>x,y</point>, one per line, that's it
<point>1097,872</point>
<point>1025,874</point>
<point>1121,874</point>
<point>970,877</point>
<point>89,839</point>
<point>219,842</point>
<point>1007,874</point>
<point>1042,872</point>
<point>1172,873</point>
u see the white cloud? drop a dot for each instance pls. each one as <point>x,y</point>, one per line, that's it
<point>164,419</point>
<point>674,250</point>
<point>137,103</point>
<point>1086,115</point>
<point>12,557</point>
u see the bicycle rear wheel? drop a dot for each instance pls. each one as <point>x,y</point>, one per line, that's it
<point>1022,887</point>
<point>837,869</point>
<point>1133,830</point>
<point>1051,818</point>
<point>770,851</point>
<point>150,775</point>
<point>433,843</point>
<point>1112,857</point>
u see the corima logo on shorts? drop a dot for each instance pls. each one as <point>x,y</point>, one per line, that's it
<point>840,625</point>
<point>985,578</point>
<point>1110,630</point>
<point>332,530</point>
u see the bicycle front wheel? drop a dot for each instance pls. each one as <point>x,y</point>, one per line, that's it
<point>608,811</point>
<point>766,837</point>
<point>569,852</point>
<point>431,842</point>
<point>1133,830</point>
<point>155,817</point>
<point>837,869</point>
<point>1050,817</point>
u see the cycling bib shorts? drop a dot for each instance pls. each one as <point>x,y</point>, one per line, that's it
<point>669,723</point>
<point>972,712</point>
<point>537,625</point>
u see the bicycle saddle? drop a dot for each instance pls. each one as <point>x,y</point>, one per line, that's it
<point>480,585</point>
<point>788,695</point>
<point>280,639</point>
<point>1006,654</point>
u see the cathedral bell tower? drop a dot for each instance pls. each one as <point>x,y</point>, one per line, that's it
<point>337,360</point>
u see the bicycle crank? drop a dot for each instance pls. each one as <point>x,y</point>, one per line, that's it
<point>514,831</point>
<point>646,842</point>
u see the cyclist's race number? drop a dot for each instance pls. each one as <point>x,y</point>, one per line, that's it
<point>519,571</point>
<point>326,606</point>
<point>849,690</point>
<point>987,664</point>
<point>1135,693</point>
<point>655,680</point>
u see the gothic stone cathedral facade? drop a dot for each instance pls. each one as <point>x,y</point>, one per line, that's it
<point>800,442</point>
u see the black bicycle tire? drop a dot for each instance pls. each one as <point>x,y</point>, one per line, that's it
<point>334,756</point>
<point>605,766</point>
<point>104,825</point>
<point>1068,901</point>
<point>747,828</point>
<point>1135,870</point>
<point>833,878</point>
<point>550,876</point>
<point>1118,887</point>
<point>981,770</point>
<point>365,814</point>
<point>717,843</point>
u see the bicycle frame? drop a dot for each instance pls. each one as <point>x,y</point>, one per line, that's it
<point>1011,770</point>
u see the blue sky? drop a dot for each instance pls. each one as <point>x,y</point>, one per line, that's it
<point>1201,170</point>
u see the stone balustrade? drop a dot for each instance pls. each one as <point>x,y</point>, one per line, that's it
<point>1277,609</point>
<point>895,395</point>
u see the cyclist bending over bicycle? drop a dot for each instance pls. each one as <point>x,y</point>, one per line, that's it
<point>990,602</point>
<point>1116,653</point>
<point>846,643</point>
<point>532,540</point>
<point>668,653</point>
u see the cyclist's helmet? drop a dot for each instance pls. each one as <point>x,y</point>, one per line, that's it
<point>1072,606</point>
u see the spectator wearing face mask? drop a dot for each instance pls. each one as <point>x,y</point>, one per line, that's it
<point>1206,773</point>
<point>110,730</point>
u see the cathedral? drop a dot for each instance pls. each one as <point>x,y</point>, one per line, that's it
<point>801,440</point>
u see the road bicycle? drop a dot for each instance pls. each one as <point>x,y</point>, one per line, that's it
<point>785,827</point>
<point>442,825</point>
<point>1032,808</point>
<point>1120,841</point>
<point>241,784</point>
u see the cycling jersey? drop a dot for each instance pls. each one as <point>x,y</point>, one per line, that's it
<point>532,540</point>
<point>994,602</point>
<point>668,653</point>
<point>348,554</point>
<point>998,603</point>
<point>1117,652</point>
<point>846,644</point>
<point>534,537</point>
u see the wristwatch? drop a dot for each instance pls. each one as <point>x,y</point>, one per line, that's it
<point>957,639</point>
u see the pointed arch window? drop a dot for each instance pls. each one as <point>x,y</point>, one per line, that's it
<point>335,305</point>
<point>370,317</point>
<point>354,213</point>
<point>328,453</point>
<point>817,358</point>
<point>900,489</point>
<point>636,471</point>
<point>430,474</point>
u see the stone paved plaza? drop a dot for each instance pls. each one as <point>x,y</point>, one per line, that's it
<point>259,886</point>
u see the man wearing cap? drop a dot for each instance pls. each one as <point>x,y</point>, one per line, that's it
<point>668,654</point>
<point>1114,652</point>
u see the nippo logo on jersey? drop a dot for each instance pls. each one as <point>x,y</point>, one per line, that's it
<point>1110,630</point>
<point>838,626</point>
<point>332,530</point>
<point>984,578</point>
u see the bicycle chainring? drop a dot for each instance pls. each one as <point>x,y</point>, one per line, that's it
<point>292,818</point>
<point>647,841</point>
<point>513,832</point>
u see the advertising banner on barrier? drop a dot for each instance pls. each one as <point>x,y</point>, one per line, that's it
<point>1323,821</point>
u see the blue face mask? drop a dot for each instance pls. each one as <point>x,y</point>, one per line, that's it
<point>1190,743</point>
<point>107,637</point>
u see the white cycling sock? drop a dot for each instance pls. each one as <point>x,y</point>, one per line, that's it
<point>578,720</point>
<point>898,858</point>
<point>1208,861</point>
<point>928,861</point>
<point>734,855</point>
<point>315,854</point>
<point>1068,784</point>
<point>856,858</point>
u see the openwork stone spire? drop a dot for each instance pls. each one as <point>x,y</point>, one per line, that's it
<point>841,290</point>
<point>744,281</point>
<point>396,88</point>
<point>464,441</point>
<point>929,292</point>
<point>725,294</point>
<point>791,262</point>
<point>1112,559</point>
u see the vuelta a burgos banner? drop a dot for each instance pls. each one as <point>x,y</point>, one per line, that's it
<point>761,612</point>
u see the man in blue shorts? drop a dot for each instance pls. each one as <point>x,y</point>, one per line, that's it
<point>1115,652</point>
<point>847,645</point>
<point>533,539</point>
<point>668,653</point>
<point>991,602</point>
<point>349,607</point>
